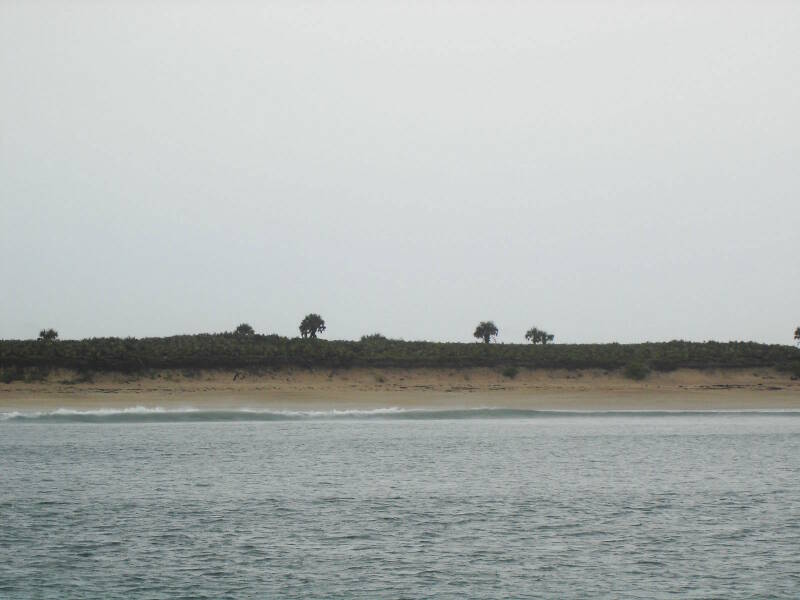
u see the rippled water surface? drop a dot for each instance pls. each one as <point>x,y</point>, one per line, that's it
<point>439,505</point>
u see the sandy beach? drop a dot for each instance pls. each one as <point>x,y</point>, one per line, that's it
<point>365,388</point>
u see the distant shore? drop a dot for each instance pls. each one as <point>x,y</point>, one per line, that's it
<point>683,389</point>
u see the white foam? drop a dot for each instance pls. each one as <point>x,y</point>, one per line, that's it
<point>148,410</point>
<point>258,413</point>
<point>97,412</point>
<point>334,412</point>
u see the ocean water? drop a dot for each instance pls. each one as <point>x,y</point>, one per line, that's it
<point>399,504</point>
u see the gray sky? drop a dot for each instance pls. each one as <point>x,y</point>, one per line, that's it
<point>605,170</point>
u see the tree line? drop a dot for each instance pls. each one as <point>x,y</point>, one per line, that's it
<point>487,331</point>
<point>312,324</point>
<point>245,350</point>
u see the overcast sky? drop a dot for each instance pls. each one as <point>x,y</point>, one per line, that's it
<point>608,171</point>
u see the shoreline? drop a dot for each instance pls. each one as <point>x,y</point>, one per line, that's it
<point>684,389</point>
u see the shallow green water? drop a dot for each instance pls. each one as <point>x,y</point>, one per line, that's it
<point>464,504</point>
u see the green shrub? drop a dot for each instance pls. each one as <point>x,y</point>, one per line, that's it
<point>795,370</point>
<point>10,375</point>
<point>510,372</point>
<point>83,376</point>
<point>374,337</point>
<point>636,370</point>
<point>36,374</point>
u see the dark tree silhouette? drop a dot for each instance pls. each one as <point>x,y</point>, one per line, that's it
<point>538,336</point>
<point>486,330</point>
<point>311,325</point>
<point>244,329</point>
<point>373,337</point>
<point>797,335</point>
<point>48,335</point>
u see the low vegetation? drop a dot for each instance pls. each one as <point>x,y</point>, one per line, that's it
<point>238,351</point>
<point>636,370</point>
<point>510,372</point>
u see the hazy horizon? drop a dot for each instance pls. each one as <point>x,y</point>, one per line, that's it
<point>607,171</point>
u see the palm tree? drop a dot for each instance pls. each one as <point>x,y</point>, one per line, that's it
<point>311,325</point>
<point>538,336</point>
<point>486,330</point>
<point>48,335</point>
<point>244,329</point>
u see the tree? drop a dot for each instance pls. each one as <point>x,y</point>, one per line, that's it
<point>373,337</point>
<point>797,335</point>
<point>48,335</point>
<point>486,330</point>
<point>244,329</point>
<point>311,325</point>
<point>538,336</point>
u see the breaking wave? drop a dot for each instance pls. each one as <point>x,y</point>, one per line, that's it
<point>142,414</point>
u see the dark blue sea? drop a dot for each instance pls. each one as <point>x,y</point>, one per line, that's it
<point>399,504</point>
